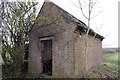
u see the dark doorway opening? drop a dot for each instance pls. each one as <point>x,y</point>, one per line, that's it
<point>46,47</point>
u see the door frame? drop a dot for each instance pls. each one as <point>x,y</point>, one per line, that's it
<point>46,38</point>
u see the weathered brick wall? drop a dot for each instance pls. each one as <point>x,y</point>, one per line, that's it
<point>63,55</point>
<point>94,57</point>
<point>94,53</point>
<point>68,47</point>
<point>77,47</point>
<point>79,55</point>
<point>34,56</point>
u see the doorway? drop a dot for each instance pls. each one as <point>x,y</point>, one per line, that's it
<point>46,48</point>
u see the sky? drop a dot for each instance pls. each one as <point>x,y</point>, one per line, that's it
<point>106,23</point>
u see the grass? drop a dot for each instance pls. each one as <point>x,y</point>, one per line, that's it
<point>111,59</point>
<point>109,68</point>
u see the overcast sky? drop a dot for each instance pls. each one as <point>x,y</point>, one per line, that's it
<point>106,23</point>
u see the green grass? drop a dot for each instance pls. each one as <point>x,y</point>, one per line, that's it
<point>111,59</point>
<point>109,68</point>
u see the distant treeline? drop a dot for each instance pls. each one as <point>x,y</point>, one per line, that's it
<point>111,50</point>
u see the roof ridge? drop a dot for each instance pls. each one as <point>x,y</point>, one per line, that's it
<point>75,18</point>
<point>71,17</point>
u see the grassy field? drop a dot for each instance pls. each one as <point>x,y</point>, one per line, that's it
<point>111,59</point>
<point>109,69</point>
<point>111,62</point>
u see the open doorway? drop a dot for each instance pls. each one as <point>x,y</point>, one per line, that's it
<point>46,48</point>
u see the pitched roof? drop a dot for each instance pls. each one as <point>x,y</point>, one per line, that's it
<point>69,16</point>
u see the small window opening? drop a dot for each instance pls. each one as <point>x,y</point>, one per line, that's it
<point>80,35</point>
<point>46,47</point>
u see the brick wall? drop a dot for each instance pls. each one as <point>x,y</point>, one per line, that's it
<point>68,48</point>
<point>94,53</point>
<point>94,57</point>
<point>63,54</point>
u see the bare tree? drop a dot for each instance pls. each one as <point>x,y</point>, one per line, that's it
<point>17,21</point>
<point>88,16</point>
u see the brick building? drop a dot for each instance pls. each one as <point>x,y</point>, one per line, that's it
<point>57,44</point>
